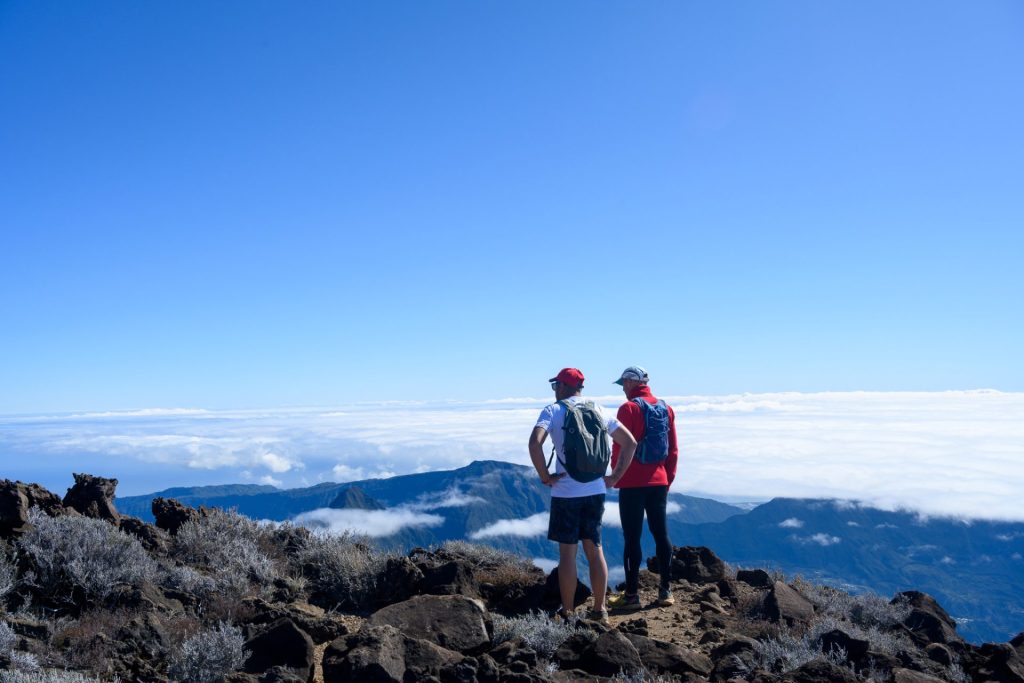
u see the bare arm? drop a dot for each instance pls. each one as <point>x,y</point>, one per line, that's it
<point>536,446</point>
<point>627,445</point>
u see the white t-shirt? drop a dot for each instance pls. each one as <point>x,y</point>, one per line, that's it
<point>551,420</point>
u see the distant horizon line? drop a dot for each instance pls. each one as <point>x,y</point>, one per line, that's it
<point>162,411</point>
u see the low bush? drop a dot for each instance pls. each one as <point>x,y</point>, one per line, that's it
<point>344,569</point>
<point>487,556</point>
<point>81,553</point>
<point>209,655</point>
<point>8,638</point>
<point>543,634</point>
<point>229,546</point>
<point>864,609</point>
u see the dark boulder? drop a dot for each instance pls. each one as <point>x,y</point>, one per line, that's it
<point>694,564</point>
<point>281,644</point>
<point>153,539</point>
<point>758,578</point>
<point>856,649</point>
<point>784,604</point>
<point>927,621</point>
<point>911,676</point>
<point>93,497</point>
<point>937,652</point>
<point>453,622</point>
<point>451,578</point>
<point>553,597</point>
<point>611,654</point>
<point>733,658</point>
<point>399,581</point>
<point>382,654</point>
<point>322,627</point>
<point>1000,662</point>
<point>16,498</point>
<point>170,515</point>
<point>669,658</point>
<point>1018,643</point>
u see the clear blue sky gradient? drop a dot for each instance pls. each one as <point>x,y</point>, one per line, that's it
<point>241,204</point>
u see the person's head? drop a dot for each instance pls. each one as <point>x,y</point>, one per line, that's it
<point>568,382</point>
<point>631,378</point>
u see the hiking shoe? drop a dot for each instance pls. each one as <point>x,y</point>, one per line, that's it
<point>665,598</point>
<point>598,615</point>
<point>624,601</point>
<point>565,616</point>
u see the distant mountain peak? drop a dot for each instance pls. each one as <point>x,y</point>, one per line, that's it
<point>354,498</point>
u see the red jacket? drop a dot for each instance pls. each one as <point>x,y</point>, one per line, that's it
<point>638,474</point>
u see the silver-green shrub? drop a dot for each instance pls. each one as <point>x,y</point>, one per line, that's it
<point>345,567</point>
<point>543,634</point>
<point>83,553</point>
<point>8,573</point>
<point>47,676</point>
<point>228,545</point>
<point>209,655</point>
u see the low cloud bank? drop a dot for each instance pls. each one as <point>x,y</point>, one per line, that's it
<point>534,525</point>
<point>940,453</point>
<point>374,523</point>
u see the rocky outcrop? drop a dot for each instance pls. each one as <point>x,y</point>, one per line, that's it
<point>93,497</point>
<point>383,654</point>
<point>453,622</point>
<point>693,564</point>
<point>170,515</point>
<point>16,498</point>
<point>928,622</point>
<point>784,604</point>
<point>281,644</point>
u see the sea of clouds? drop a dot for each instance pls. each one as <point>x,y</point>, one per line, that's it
<point>941,453</point>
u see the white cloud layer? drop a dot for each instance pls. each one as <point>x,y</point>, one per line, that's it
<point>534,525</point>
<point>373,523</point>
<point>941,453</point>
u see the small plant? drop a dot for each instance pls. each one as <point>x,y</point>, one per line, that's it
<point>7,638</point>
<point>8,573</point>
<point>209,655</point>
<point>23,661</point>
<point>81,553</point>
<point>537,630</point>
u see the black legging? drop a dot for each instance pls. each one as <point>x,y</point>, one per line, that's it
<point>633,502</point>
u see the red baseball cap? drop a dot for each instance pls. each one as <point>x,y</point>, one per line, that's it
<point>569,376</point>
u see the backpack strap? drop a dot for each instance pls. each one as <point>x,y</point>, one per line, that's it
<point>566,406</point>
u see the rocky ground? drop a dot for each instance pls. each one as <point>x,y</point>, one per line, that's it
<point>205,595</point>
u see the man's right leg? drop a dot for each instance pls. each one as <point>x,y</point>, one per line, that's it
<point>567,574</point>
<point>656,504</point>
<point>631,514</point>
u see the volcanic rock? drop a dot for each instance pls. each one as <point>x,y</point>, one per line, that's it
<point>281,644</point>
<point>669,658</point>
<point>170,515</point>
<point>695,564</point>
<point>93,497</point>
<point>384,654</point>
<point>758,578</point>
<point>784,604</point>
<point>17,498</point>
<point>453,622</point>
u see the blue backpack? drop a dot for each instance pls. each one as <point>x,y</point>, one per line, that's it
<point>653,448</point>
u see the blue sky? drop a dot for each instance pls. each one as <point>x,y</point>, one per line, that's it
<point>237,205</point>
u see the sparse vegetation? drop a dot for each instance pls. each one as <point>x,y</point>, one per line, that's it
<point>344,569</point>
<point>8,572</point>
<point>48,676</point>
<point>537,630</point>
<point>85,554</point>
<point>228,545</point>
<point>208,655</point>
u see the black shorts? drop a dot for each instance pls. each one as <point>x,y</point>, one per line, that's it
<point>575,519</point>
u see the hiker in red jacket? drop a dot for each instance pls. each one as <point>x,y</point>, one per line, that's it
<point>644,486</point>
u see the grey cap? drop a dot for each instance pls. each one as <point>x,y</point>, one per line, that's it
<point>634,372</point>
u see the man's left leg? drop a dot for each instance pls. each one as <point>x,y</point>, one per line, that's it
<point>598,572</point>
<point>567,574</point>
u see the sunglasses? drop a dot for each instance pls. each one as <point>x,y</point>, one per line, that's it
<point>554,385</point>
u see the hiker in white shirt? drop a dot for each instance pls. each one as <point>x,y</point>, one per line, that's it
<point>577,506</point>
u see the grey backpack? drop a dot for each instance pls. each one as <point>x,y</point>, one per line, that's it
<point>585,449</point>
